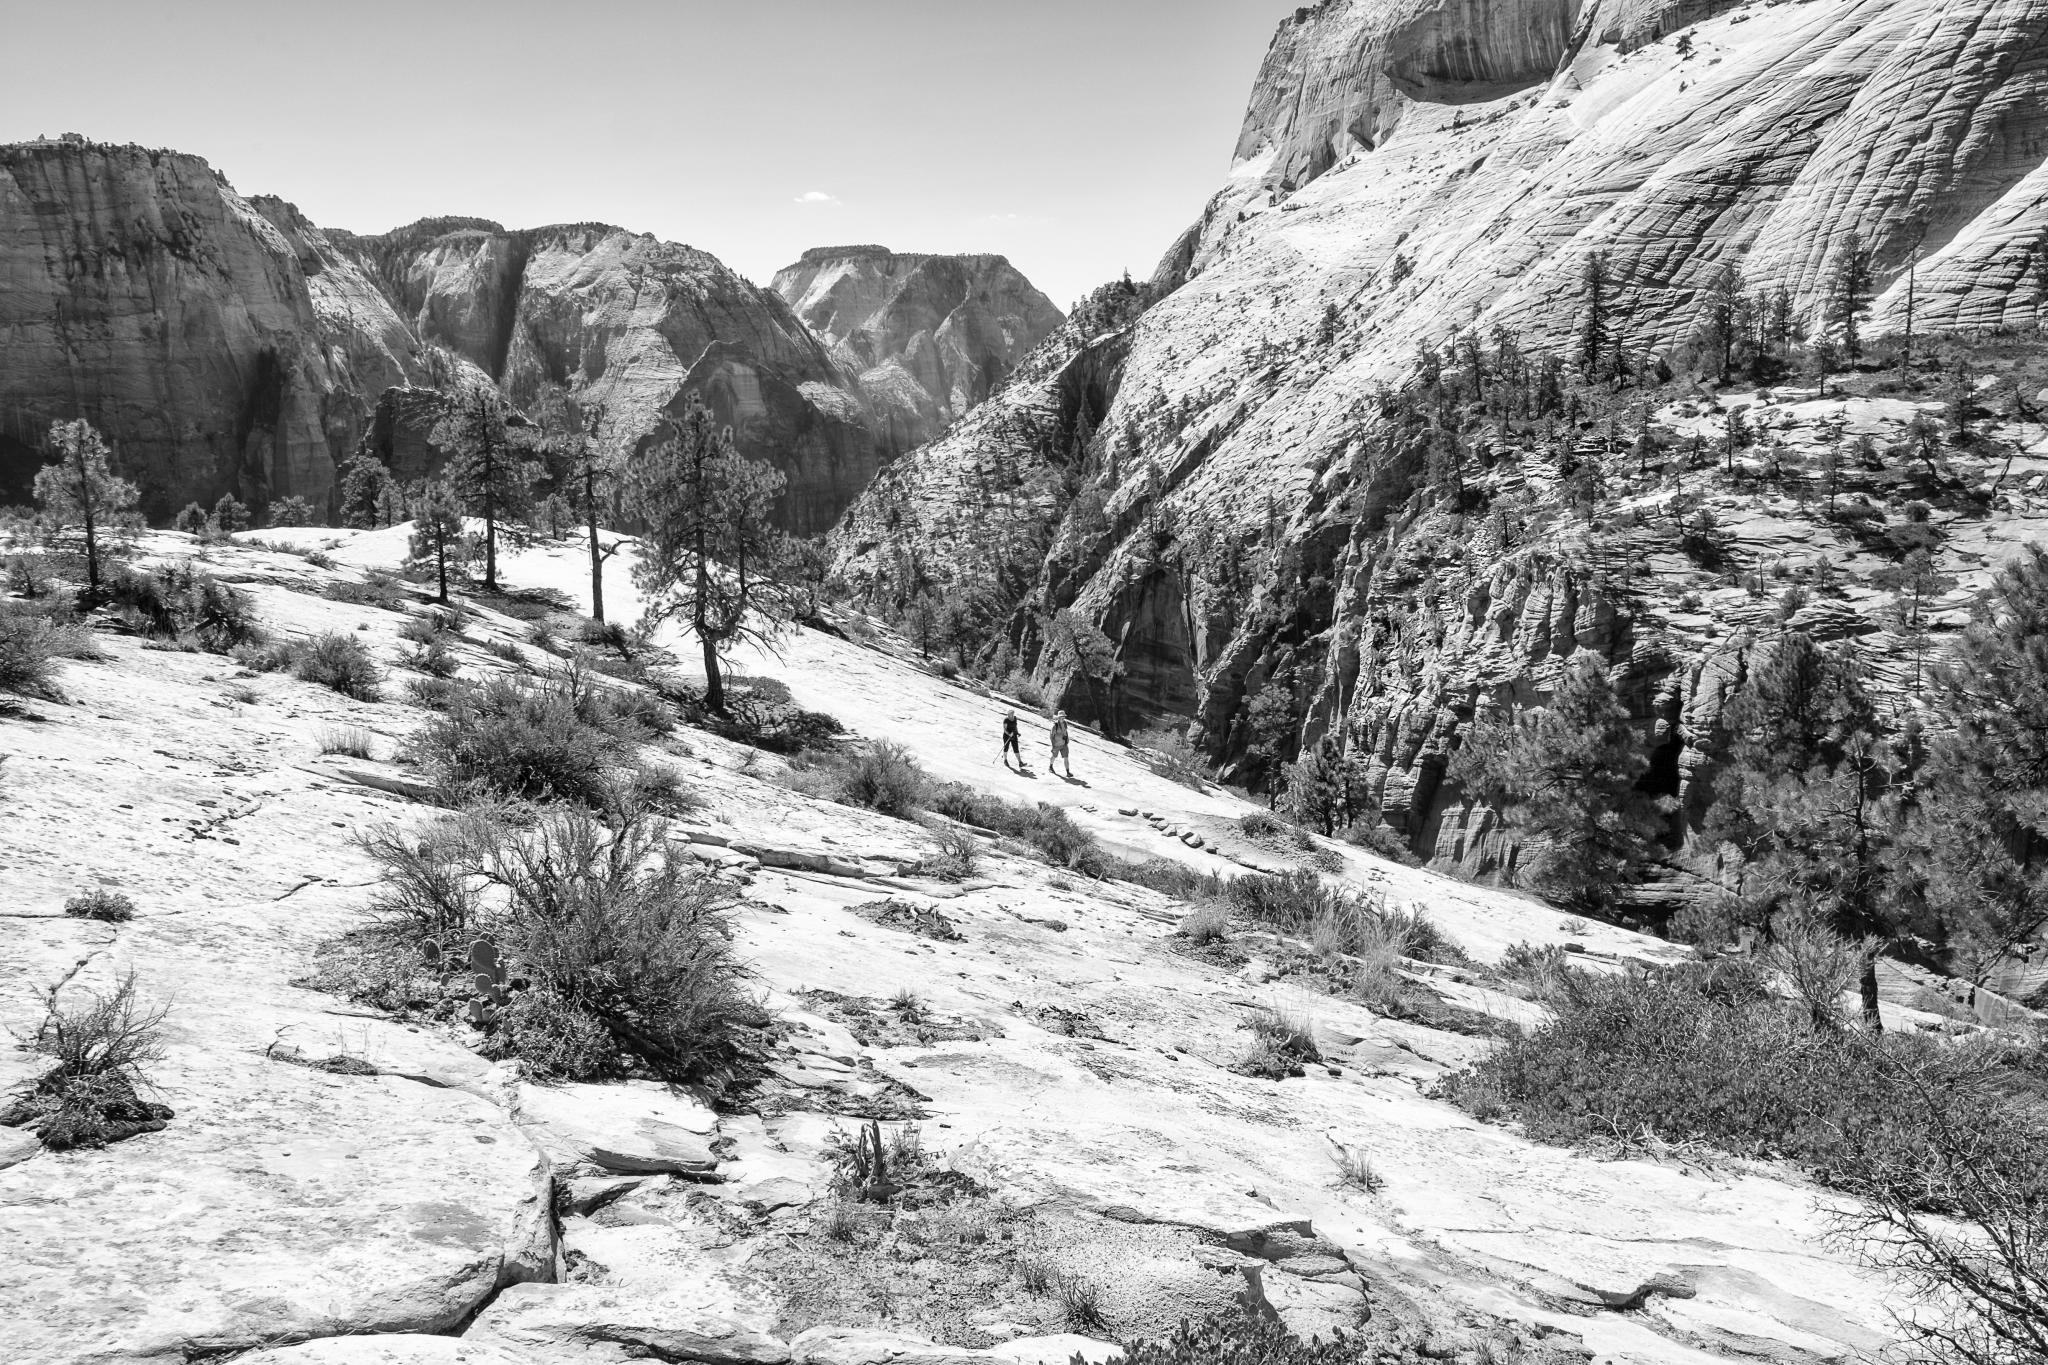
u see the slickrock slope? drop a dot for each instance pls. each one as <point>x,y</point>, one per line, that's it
<point>1070,1063</point>
<point>1408,172</point>
<point>929,336</point>
<point>222,344</point>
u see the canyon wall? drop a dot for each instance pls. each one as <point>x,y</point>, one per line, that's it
<point>1411,173</point>
<point>928,336</point>
<point>227,345</point>
<point>221,344</point>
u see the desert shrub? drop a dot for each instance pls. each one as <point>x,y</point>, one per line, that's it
<point>604,950</point>
<point>956,857</point>
<point>274,657</point>
<point>29,649</point>
<point>1288,901</point>
<point>350,740</point>
<point>1168,753</point>
<point>1029,693</point>
<point>431,626</point>
<point>28,575</point>
<point>1046,829</point>
<point>758,713</point>
<point>1167,877</point>
<point>1080,1302</point>
<point>1382,842</point>
<point>1206,924</point>
<point>884,777</point>
<point>90,1095</point>
<point>178,602</point>
<point>435,694</point>
<point>433,659</point>
<point>509,738</point>
<point>1258,824</point>
<point>1245,1339</point>
<point>377,588</point>
<point>108,907</point>
<point>610,635</point>
<point>1705,923</point>
<point>1531,965</point>
<point>1707,1053</point>
<point>338,661</point>
<point>1292,1036</point>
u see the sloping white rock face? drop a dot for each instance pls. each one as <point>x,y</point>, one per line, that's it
<point>930,336</point>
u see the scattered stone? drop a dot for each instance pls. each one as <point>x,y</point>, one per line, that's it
<point>587,1194</point>
<point>922,920</point>
<point>388,1349</point>
<point>637,1127</point>
<point>591,1323</point>
<point>869,1346</point>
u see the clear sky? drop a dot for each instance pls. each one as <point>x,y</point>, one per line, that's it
<point>1077,137</point>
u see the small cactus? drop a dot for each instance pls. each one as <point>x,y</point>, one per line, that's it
<point>493,989</point>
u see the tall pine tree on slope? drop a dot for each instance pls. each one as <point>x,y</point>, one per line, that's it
<point>1983,831</point>
<point>490,467</point>
<point>81,490</point>
<point>710,557</point>
<point>1568,774</point>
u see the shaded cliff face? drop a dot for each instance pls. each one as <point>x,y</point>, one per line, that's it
<point>929,336</point>
<point>221,344</point>
<point>1410,173</point>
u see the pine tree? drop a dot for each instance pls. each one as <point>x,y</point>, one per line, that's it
<point>1566,774</point>
<point>1831,836</point>
<point>367,490</point>
<point>1983,830</point>
<point>710,556</point>
<point>1849,293</point>
<point>489,470</point>
<point>589,473</point>
<point>439,536</point>
<point>1594,323</point>
<point>229,515</point>
<point>1913,582</point>
<point>80,489</point>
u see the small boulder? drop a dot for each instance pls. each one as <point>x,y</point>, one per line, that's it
<point>593,1323</point>
<point>387,1349</point>
<point>867,1346</point>
<point>637,1128</point>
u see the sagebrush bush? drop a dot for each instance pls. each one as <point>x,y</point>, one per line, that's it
<point>29,650</point>
<point>1709,1053</point>
<point>180,602</point>
<point>108,907</point>
<point>1245,1339</point>
<point>433,658</point>
<point>883,777</point>
<point>341,662</point>
<point>622,927</point>
<point>509,738</point>
<point>1206,924</point>
<point>956,857</point>
<point>616,949</point>
<point>90,1095</point>
<point>350,741</point>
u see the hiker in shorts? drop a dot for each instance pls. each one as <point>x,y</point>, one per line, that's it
<point>1010,739</point>
<point>1059,744</point>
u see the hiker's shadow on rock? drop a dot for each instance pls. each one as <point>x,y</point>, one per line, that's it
<point>1071,780</point>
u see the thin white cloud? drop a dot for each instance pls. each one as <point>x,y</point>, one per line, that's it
<point>816,197</point>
